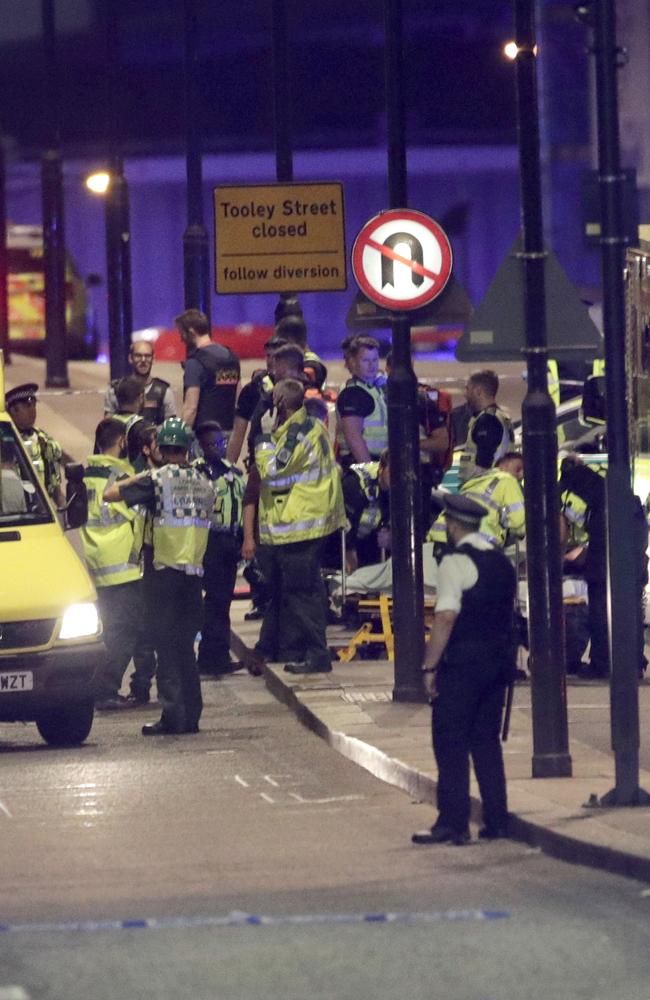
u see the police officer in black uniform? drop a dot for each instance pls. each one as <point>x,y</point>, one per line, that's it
<point>468,663</point>
<point>158,403</point>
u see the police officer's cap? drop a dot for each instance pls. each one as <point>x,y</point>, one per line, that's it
<point>21,394</point>
<point>175,433</point>
<point>460,508</point>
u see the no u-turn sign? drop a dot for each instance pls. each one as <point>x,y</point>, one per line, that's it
<point>401,259</point>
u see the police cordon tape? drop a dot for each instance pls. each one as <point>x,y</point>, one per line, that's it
<point>334,386</point>
<point>239,919</point>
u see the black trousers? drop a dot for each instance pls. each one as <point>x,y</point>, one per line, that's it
<point>219,575</point>
<point>466,720</point>
<point>121,609</point>
<point>144,654</point>
<point>295,619</point>
<point>177,599</point>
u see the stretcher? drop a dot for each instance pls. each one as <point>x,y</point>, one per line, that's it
<point>378,628</point>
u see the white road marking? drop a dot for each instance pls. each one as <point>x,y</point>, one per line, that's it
<point>333,798</point>
<point>271,781</point>
<point>13,993</point>
<point>240,781</point>
<point>213,752</point>
<point>267,798</point>
<point>4,809</point>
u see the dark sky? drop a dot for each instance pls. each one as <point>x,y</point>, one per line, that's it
<point>459,88</point>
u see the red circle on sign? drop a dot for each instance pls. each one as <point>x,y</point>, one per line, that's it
<point>365,240</point>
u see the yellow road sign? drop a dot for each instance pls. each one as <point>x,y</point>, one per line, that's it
<point>280,238</point>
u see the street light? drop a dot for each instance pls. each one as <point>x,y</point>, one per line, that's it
<point>98,182</point>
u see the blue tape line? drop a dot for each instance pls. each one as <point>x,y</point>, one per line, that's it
<point>237,919</point>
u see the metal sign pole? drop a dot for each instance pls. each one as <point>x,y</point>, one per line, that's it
<point>551,756</point>
<point>288,303</point>
<point>403,431</point>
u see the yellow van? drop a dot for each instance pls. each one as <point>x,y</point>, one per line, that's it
<point>50,630</point>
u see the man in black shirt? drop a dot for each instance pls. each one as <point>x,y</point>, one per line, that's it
<point>211,374</point>
<point>261,382</point>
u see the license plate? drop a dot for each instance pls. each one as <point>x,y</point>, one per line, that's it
<point>21,680</point>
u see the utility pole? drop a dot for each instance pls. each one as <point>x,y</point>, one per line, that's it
<point>118,235</point>
<point>196,250</point>
<point>551,758</point>
<point>403,429</point>
<point>623,586</point>
<point>56,367</point>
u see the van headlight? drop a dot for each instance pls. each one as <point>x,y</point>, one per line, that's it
<point>80,620</point>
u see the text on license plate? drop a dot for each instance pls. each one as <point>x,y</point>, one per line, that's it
<point>21,680</point>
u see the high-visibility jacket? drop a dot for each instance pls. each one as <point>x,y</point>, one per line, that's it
<point>112,536</point>
<point>468,466</point>
<point>375,426</point>
<point>575,513</point>
<point>45,454</point>
<point>501,494</point>
<point>301,496</point>
<point>184,501</point>
<point>228,483</point>
<point>368,476</point>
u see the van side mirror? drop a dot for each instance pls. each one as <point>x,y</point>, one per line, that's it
<point>76,496</point>
<point>594,400</point>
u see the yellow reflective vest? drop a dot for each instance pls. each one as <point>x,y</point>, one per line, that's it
<point>112,535</point>
<point>301,496</point>
<point>375,426</point>
<point>45,454</point>
<point>184,501</point>
<point>229,489</point>
<point>368,476</point>
<point>501,494</point>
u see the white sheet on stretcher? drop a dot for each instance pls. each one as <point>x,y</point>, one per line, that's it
<point>378,578</point>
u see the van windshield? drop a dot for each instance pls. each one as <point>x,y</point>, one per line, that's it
<point>22,500</point>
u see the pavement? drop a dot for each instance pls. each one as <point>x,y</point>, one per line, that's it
<point>353,710</point>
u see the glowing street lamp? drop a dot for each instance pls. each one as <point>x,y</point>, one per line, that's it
<point>510,50</point>
<point>98,182</point>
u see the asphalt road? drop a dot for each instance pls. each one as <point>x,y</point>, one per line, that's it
<point>257,816</point>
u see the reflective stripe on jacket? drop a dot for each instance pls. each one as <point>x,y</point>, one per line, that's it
<point>368,476</point>
<point>181,521</point>
<point>226,516</point>
<point>112,535</point>
<point>501,494</point>
<point>301,496</point>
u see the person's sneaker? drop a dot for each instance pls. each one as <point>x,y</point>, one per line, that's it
<point>305,668</point>
<point>135,700</point>
<point>115,704</point>
<point>493,833</point>
<point>441,835</point>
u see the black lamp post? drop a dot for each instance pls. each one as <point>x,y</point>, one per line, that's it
<point>118,235</point>
<point>551,756</point>
<point>56,369</point>
<point>625,621</point>
<point>196,251</point>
